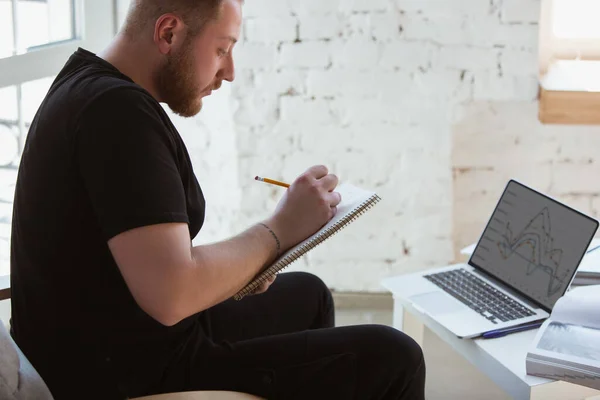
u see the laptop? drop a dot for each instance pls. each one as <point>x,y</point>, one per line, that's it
<point>522,264</point>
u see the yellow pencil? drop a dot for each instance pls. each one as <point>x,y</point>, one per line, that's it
<point>271,181</point>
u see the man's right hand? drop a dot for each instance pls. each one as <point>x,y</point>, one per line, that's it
<point>308,204</point>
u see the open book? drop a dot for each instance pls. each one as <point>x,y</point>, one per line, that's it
<point>567,345</point>
<point>355,202</point>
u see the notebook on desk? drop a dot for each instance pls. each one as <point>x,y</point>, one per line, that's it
<point>355,202</point>
<point>522,264</point>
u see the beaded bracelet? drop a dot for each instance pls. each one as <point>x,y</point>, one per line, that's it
<point>274,236</point>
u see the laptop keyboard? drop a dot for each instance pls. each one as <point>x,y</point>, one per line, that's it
<point>479,295</point>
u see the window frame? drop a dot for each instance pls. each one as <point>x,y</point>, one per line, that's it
<point>96,22</point>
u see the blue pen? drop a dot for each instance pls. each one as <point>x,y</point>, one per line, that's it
<point>505,331</point>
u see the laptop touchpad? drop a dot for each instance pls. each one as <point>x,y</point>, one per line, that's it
<point>437,303</point>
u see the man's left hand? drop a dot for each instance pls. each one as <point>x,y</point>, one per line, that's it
<point>265,285</point>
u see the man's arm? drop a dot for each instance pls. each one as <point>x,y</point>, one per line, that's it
<point>171,280</point>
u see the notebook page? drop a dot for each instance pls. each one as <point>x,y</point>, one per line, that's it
<point>579,306</point>
<point>352,197</point>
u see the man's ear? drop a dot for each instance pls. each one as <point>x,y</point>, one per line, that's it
<point>168,32</point>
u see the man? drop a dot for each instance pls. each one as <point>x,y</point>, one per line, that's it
<point>110,298</point>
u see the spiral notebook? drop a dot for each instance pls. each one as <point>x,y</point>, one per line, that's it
<point>355,202</point>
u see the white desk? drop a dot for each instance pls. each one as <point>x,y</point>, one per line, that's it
<point>501,359</point>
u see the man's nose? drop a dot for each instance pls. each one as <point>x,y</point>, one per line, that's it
<point>229,70</point>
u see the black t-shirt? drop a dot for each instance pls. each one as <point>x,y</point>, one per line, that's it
<point>101,157</point>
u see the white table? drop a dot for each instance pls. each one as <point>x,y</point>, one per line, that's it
<point>501,359</point>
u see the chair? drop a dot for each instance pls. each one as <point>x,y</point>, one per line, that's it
<point>20,381</point>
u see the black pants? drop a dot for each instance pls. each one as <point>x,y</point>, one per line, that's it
<point>283,345</point>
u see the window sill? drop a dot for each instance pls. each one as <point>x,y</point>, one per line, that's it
<point>569,107</point>
<point>570,93</point>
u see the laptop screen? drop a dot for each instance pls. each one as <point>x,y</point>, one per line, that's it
<point>533,244</point>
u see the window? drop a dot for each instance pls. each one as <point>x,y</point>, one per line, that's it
<point>576,19</point>
<point>570,62</point>
<point>52,19</point>
<point>36,39</point>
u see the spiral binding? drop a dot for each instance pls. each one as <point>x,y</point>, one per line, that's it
<point>306,247</point>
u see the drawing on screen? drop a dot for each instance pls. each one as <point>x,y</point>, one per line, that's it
<point>535,245</point>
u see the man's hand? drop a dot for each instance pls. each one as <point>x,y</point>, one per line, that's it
<point>265,285</point>
<point>308,204</point>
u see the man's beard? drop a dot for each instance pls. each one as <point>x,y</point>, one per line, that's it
<point>176,85</point>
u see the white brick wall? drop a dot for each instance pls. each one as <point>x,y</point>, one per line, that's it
<point>358,54</point>
<point>446,8</point>
<point>267,8</point>
<point>258,56</point>
<point>521,11</point>
<point>305,55</point>
<point>467,58</point>
<point>405,55</point>
<point>357,6</point>
<point>489,85</point>
<point>320,27</point>
<point>271,30</point>
<point>519,62</point>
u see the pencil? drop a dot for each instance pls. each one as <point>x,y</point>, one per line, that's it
<point>272,181</point>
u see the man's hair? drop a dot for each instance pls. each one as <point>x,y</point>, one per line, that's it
<point>194,13</point>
